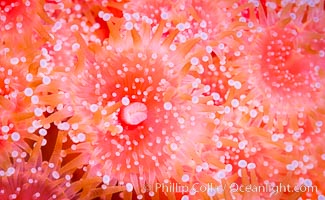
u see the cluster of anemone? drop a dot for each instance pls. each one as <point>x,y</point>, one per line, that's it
<point>111,99</point>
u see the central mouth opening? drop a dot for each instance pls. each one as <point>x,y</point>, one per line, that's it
<point>134,113</point>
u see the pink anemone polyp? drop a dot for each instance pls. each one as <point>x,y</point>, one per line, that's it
<point>143,124</point>
<point>283,82</point>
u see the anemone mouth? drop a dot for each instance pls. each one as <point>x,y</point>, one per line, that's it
<point>133,114</point>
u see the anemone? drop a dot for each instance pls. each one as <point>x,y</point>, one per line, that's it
<point>282,84</point>
<point>25,173</point>
<point>142,126</point>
